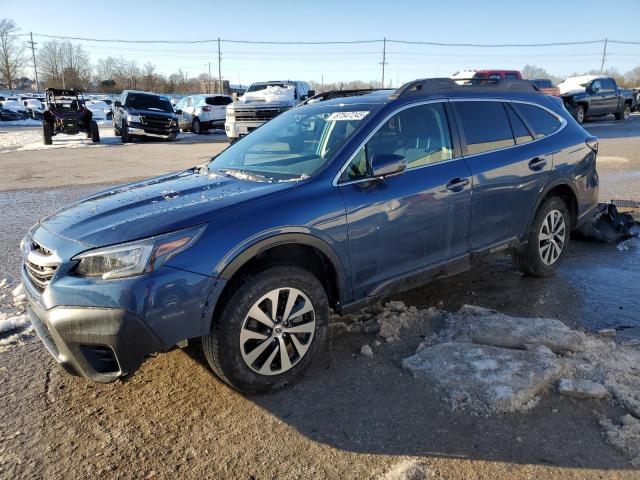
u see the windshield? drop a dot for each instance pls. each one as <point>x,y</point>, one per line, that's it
<point>295,145</point>
<point>142,101</point>
<point>256,87</point>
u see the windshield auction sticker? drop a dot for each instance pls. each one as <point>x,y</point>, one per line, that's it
<point>336,116</point>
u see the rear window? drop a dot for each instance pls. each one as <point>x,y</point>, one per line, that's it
<point>486,126</point>
<point>542,83</point>
<point>216,101</point>
<point>541,122</point>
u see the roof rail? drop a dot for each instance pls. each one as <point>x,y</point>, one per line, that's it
<point>427,86</point>
<point>331,94</point>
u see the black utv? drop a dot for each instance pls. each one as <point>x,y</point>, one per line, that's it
<point>66,113</point>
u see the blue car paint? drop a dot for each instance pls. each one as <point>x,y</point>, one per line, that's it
<point>403,225</point>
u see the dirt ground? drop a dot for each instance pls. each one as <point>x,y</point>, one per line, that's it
<point>350,416</point>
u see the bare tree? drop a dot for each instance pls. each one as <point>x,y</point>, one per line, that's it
<point>532,72</point>
<point>12,57</point>
<point>65,65</point>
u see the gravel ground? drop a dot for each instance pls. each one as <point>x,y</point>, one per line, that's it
<point>351,416</point>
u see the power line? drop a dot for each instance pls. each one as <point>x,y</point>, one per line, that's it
<point>336,42</point>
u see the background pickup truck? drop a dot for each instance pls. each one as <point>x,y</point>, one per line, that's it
<point>261,102</point>
<point>592,96</point>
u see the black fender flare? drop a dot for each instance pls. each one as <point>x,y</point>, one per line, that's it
<point>238,257</point>
<point>543,193</point>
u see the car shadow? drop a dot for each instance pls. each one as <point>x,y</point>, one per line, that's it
<point>370,405</point>
<point>609,127</point>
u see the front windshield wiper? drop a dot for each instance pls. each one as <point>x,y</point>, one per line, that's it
<point>246,175</point>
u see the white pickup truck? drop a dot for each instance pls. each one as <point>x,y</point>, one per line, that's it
<point>261,102</point>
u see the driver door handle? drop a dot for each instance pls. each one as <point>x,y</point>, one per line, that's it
<point>457,184</point>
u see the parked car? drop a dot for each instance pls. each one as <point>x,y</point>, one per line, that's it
<point>66,113</point>
<point>261,102</point>
<point>595,96</point>
<point>202,112</point>
<point>16,106</point>
<point>331,205</point>
<point>144,114</point>
<point>479,77</point>
<point>8,114</point>
<point>99,109</point>
<point>34,107</point>
<point>546,86</point>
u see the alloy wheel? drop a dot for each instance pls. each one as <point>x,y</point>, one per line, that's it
<point>277,331</point>
<point>552,237</point>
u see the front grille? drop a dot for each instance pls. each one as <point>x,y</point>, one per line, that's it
<point>40,264</point>
<point>157,122</point>
<point>264,114</point>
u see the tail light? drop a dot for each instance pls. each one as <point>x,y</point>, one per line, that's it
<point>592,143</point>
<point>206,109</point>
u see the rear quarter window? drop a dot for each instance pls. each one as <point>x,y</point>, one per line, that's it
<point>485,125</point>
<point>539,120</point>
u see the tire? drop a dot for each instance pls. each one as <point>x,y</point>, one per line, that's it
<point>172,137</point>
<point>95,132</point>
<point>124,133</point>
<point>580,114</point>
<point>541,256</point>
<point>47,133</point>
<point>229,358</point>
<point>625,113</point>
<point>196,126</point>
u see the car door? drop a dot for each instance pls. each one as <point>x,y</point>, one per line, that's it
<point>598,104</point>
<point>609,96</point>
<point>508,168</point>
<point>405,223</point>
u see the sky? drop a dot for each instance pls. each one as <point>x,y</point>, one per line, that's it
<point>460,21</point>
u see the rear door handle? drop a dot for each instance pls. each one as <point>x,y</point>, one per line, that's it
<point>537,163</point>
<point>457,184</point>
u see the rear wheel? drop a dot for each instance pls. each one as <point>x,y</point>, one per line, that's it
<point>196,126</point>
<point>95,132</point>
<point>625,113</point>
<point>269,329</point>
<point>580,114</point>
<point>548,240</point>
<point>47,133</point>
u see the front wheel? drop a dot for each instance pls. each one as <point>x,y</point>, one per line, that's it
<point>124,133</point>
<point>95,132</point>
<point>269,329</point>
<point>548,240</point>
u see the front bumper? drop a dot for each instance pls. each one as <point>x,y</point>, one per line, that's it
<point>100,344</point>
<point>144,130</point>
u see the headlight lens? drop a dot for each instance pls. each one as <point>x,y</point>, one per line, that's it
<point>135,258</point>
<point>133,118</point>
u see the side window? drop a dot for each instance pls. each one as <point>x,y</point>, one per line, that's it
<point>420,134</point>
<point>520,131</point>
<point>596,86</point>
<point>485,125</point>
<point>608,85</point>
<point>542,122</point>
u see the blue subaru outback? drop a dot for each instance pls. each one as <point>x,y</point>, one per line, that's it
<point>332,205</point>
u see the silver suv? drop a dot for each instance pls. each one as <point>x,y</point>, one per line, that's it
<point>202,112</point>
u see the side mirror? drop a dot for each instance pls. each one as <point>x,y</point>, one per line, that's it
<point>178,112</point>
<point>311,93</point>
<point>382,165</point>
<point>117,104</point>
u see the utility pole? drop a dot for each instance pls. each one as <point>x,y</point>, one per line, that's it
<point>604,54</point>
<point>220,67</point>
<point>209,82</point>
<point>35,68</point>
<point>322,82</point>
<point>384,57</point>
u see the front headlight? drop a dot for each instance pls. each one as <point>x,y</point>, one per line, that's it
<point>135,258</point>
<point>133,118</point>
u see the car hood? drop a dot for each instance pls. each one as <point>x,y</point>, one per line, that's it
<point>155,206</point>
